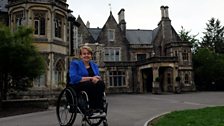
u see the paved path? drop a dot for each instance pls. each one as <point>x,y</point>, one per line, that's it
<point>128,109</point>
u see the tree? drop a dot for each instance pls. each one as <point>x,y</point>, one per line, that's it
<point>20,61</point>
<point>185,36</point>
<point>208,70</point>
<point>213,38</point>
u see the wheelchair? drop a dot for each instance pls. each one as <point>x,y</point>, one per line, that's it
<point>70,103</point>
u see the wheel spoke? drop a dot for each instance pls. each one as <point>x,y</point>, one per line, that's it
<point>66,99</point>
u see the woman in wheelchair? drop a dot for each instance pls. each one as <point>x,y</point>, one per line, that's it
<point>84,76</point>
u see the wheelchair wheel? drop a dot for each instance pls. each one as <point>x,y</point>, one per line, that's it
<point>66,108</point>
<point>83,101</point>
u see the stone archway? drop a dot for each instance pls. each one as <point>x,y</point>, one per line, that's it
<point>147,79</point>
<point>160,76</point>
<point>166,78</point>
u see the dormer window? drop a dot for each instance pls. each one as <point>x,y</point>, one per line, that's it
<point>111,35</point>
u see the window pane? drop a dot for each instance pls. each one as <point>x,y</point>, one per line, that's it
<point>106,56</point>
<point>58,26</point>
<point>42,26</point>
<point>117,55</point>
<point>110,35</point>
<point>39,22</point>
<point>115,81</point>
<point>119,81</point>
<point>18,18</point>
<point>40,81</point>
<point>36,26</point>
<point>141,57</point>
<point>112,54</point>
<point>186,79</point>
<point>117,78</point>
<point>111,81</point>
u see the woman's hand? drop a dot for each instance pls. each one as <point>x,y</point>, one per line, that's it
<point>95,79</point>
<point>98,77</point>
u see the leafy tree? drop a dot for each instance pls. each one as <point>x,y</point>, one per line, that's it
<point>208,70</point>
<point>20,61</point>
<point>213,38</point>
<point>185,36</point>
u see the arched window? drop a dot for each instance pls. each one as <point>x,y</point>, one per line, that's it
<point>18,19</point>
<point>58,26</point>
<point>39,22</point>
<point>59,72</point>
<point>40,81</point>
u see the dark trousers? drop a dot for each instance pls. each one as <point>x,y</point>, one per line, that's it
<point>95,92</point>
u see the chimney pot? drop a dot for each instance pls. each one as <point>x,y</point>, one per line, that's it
<point>162,11</point>
<point>121,15</point>
<point>166,11</point>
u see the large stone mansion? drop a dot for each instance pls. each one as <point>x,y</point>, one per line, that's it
<point>130,60</point>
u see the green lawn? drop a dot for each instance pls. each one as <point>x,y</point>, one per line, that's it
<point>210,116</point>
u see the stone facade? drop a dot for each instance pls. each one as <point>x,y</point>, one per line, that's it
<point>53,25</point>
<point>130,60</point>
<point>140,61</point>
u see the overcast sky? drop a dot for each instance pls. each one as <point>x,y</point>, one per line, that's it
<point>145,14</point>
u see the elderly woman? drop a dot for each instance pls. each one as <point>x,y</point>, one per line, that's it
<point>84,76</point>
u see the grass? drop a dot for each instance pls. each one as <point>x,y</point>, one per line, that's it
<point>210,116</point>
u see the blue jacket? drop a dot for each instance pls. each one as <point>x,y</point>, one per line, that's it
<point>77,70</point>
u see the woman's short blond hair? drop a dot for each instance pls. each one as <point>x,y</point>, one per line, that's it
<point>90,50</point>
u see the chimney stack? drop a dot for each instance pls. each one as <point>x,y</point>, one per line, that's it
<point>164,11</point>
<point>88,24</point>
<point>121,15</point>
<point>121,20</point>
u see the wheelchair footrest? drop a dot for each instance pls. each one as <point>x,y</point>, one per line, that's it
<point>98,115</point>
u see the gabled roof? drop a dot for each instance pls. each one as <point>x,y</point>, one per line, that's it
<point>155,32</point>
<point>134,36</point>
<point>110,23</point>
<point>87,34</point>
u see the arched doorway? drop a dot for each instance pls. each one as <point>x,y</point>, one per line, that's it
<point>147,77</point>
<point>166,78</point>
